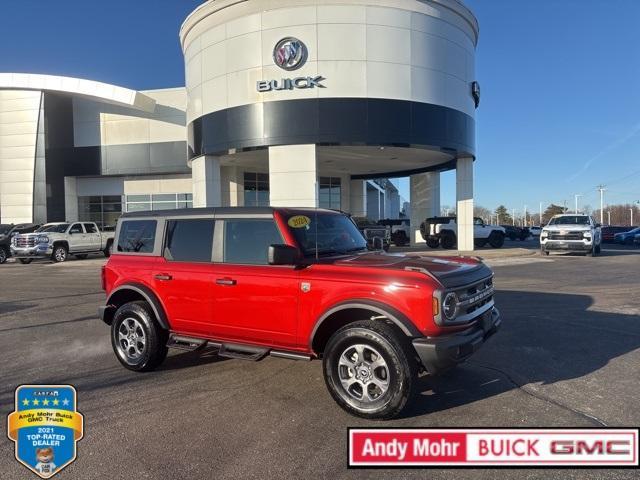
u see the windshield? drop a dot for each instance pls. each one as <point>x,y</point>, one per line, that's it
<point>334,234</point>
<point>57,228</point>
<point>4,229</point>
<point>570,220</point>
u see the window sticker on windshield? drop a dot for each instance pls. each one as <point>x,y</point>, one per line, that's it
<point>299,221</point>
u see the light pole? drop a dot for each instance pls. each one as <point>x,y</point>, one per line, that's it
<point>540,213</point>
<point>576,197</point>
<point>524,218</point>
<point>608,217</point>
<point>513,216</point>
<point>601,189</point>
<point>631,211</point>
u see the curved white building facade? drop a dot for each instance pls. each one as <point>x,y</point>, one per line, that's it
<point>352,90</point>
<point>287,103</point>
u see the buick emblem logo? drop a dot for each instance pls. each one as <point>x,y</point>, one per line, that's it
<point>290,53</point>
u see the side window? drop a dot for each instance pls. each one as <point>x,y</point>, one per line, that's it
<point>76,228</point>
<point>90,228</point>
<point>189,240</point>
<point>137,236</point>
<point>247,241</point>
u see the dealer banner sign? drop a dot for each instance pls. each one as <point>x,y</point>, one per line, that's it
<point>566,447</point>
<point>45,427</point>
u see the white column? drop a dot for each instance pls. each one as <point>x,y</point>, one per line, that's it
<point>293,176</point>
<point>464,195</point>
<point>232,186</point>
<point>205,175</point>
<point>70,199</point>
<point>358,198</point>
<point>424,198</point>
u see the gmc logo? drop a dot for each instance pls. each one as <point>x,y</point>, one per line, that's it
<point>597,447</point>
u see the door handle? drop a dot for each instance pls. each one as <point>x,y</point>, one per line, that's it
<point>226,281</point>
<point>162,277</point>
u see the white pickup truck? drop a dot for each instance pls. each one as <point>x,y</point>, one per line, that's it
<point>59,240</point>
<point>443,230</point>
<point>571,232</point>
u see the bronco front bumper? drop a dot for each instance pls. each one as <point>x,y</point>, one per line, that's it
<point>438,354</point>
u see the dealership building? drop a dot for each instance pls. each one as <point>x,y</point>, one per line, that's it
<point>287,103</point>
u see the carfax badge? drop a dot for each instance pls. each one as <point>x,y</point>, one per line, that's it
<point>45,427</point>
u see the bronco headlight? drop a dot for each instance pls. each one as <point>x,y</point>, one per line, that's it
<point>450,306</point>
<point>42,239</point>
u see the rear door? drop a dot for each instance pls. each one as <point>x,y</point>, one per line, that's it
<point>254,302</point>
<point>77,238</point>
<point>93,239</point>
<point>184,276</point>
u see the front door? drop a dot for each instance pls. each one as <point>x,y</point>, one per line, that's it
<point>183,277</point>
<point>254,302</point>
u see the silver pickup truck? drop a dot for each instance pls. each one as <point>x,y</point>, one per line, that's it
<point>59,240</point>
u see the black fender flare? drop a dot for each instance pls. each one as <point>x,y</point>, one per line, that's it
<point>150,298</point>
<point>396,317</point>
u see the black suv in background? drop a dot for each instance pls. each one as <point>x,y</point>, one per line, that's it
<point>516,233</point>
<point>7,231</point>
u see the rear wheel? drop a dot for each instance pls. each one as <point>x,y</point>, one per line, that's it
<point>4,254</point>
<point>433,242</point>
<point>25,261</point>
<point>60,253</point>
<point>496,239</point>
<point>138,340</point>
<point>370,369</point>
<point>448,240</point>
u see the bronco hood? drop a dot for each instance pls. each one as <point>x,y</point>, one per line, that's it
<point>450,271</point>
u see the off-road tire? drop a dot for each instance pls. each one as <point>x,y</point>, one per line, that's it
<point>398,355</point>
<point>4,254</point>
<point>155,337</point>
<point>496,239</point>
<point>60,253</point>
<point>448,240</point>
<point>433,242</point>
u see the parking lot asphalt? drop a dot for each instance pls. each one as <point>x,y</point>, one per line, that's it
<point>568,355</point>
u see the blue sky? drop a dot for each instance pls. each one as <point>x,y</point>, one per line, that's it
<point>560,109</point>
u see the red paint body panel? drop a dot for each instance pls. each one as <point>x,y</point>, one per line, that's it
<point>266,305</point>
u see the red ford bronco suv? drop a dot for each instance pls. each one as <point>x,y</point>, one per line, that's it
<point>297,284</point>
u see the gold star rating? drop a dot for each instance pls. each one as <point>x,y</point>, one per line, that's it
<point>45,402</point>
<point>36,402</point>
<point>55,402</point>
<point>25,402</point>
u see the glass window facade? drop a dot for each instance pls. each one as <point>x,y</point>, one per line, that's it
<point>159,201</point>
<point>329,193</point>
<point>256,189</point>
<point>103,210</point>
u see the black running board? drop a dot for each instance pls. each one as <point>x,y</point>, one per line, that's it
<point>185,343</point>
<point>231,350</point>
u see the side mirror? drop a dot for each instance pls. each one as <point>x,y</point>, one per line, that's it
<point>282,255</point>
<point>378,243</point>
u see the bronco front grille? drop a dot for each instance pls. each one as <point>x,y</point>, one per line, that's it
<point>474,297</point>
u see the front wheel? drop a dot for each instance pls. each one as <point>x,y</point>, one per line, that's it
<point>59,254</point>
<point>496,239</point>
<point>4,254</point>
<point>370,369</point>
<point>138,340</point>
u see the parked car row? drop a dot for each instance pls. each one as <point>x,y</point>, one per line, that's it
<point>56,241</point>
